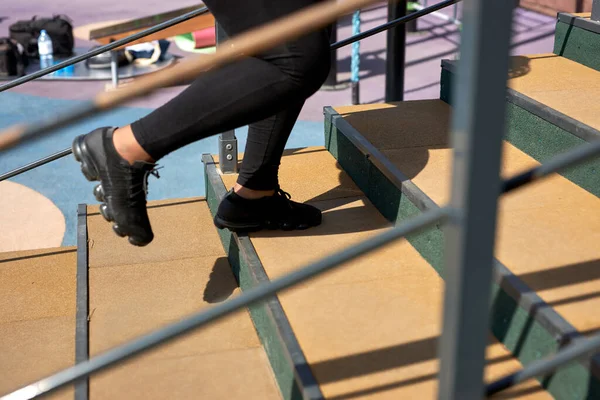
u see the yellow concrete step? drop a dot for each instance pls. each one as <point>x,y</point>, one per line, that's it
<point>136,290</point>
<point>555,82</point>
<point>37,316</point>
<point>369,329</point>
<point>550,109</point>
<point>548,232</point>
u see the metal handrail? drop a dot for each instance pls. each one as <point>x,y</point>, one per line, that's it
<point>559,162</point>
<point>163,335</point>
<point>35,164</point>
<point>170,23</point>
<point>585,348</point>
<point>393,23</point>
<point>104,49</point>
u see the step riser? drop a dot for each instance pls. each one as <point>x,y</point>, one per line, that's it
<point>529,335</point>
<point>529,124</point>
<point>578,39</point>
<point>293,374</point>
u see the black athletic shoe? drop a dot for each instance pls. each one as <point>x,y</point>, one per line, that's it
<point>123,187</point>
<point>271,212</point>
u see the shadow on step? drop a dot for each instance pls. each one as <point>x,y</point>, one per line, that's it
<point>221,283</point>
<point>563,276</point>
<point>37,255</point>
<point>389,358</point>
<point>519,66</point>
<point>513,394</point>
<point>585,275</point>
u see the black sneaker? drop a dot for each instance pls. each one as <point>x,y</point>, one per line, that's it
<point>123,187</point>
<point>270,212</point>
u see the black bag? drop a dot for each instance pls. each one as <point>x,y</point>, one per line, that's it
<point>12,59</point>
<point>59,28</point>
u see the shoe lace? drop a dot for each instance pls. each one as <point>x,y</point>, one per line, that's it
<point>139,183</point>
<point>153,172</point>
<point>284,195</point>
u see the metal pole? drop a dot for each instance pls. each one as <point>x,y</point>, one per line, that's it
<point>595,10</point>
<point>355,63</point>
<point>331,81</point>
<point>581,349</point>
<point>228,144</point>
<point>104,49</point>
<point>114,68</point>
<point>35,164</point>
<point>247,298</point>
<point>477,133</point>
<point>396,47</point>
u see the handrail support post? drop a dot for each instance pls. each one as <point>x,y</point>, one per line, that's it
<point>478,124</point>
<point>396,52</point>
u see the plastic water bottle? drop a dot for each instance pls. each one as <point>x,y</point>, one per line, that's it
<point>45,50</point>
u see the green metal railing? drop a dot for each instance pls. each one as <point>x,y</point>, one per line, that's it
<point>469,219</point>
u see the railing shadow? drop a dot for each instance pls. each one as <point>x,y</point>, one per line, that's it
<point>42,255</point>
<point>539,281</point>
<point>392,357</point>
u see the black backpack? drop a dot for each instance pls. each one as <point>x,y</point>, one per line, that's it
<point>12,59</point>
<point>59,28</point>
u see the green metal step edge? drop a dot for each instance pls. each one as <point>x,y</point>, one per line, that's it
<point>578,39</point>
<point>521,320</point>
<point>292,372</point>
<point>541,132</point>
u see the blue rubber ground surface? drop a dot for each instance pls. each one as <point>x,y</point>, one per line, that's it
<point>62,182</point>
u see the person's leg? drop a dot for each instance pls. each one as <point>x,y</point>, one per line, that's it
<point>257,201</point>
<point>246,92</point>
<point>264,148</point>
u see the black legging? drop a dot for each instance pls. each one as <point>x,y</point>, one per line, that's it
<point>265,92</point>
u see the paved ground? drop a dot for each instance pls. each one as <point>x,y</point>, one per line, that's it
<point>437,39</point>
<point>61,181</point>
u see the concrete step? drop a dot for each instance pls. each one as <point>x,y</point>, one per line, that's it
<point>37,316</point>
<point>546,279</point>
<point>132,291</point>
<point>136,290</point>
<point>370,328</point>
<point>577,37</point>
<point>551,107</point>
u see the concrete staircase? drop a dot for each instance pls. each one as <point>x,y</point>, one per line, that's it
<point>547,273</point>
<point>370,328</point>
<point>366,330</point>
<point>131,291</point>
